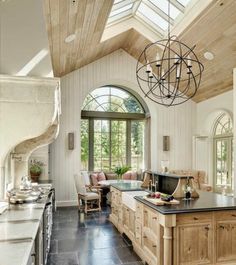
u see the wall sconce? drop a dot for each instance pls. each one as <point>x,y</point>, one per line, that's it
<point>166,143</point>
<point>71,141</point>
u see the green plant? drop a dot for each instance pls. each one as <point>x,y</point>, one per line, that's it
<point>36,167</point>
<point>120,170</point>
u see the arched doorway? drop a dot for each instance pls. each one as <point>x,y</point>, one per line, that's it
<point>112,130</point>
<point>223,154</point>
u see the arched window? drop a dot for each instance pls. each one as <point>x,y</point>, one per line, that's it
<point>112,130</point>
<point>223,153</point>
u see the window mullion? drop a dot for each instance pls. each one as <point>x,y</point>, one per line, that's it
<point>128,142</point>
<point>110,145</point>
<point>91,144</point>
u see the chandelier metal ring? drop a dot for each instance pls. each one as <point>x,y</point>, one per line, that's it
<point>172,78</point>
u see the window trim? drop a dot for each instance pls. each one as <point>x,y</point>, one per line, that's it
<point>112,115</point>
<point>229,138</point>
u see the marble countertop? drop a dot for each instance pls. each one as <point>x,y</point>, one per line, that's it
<point>18,230</point>
<point>206,202</point>
<point>15,252</point>
<point>128,186</point>
<point>22,212</point>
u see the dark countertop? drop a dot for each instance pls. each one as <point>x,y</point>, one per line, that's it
<point>206,202</point>
<point>170,175</point>
<point>123,186</point>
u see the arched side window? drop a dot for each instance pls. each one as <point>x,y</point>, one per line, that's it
<point>112,130</point>
<point>223,154</point>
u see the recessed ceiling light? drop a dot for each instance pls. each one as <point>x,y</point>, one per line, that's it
<point>209,56</point>
<point>70,38</point>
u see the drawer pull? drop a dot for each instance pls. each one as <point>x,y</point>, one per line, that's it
<point>154,246</point>
<point>144,236</point>
<point>154,218</point>
<point>222,227</point>
<point>145,211</point>
<point>233,215</point>
<point>195,218</point>
<point>207,228</point>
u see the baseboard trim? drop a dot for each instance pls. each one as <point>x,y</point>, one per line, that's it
<point>66,203</point>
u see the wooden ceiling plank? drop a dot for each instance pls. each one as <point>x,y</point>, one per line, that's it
<point>102,20</point>
<point>90,41</point>
<point>73,11</point>
<point>85,29</point>
<point>64,24</point>
<point>55,35</point>
<point>47,16</point>
<point>78,31</point>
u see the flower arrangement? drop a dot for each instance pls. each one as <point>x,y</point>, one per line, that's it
<point>120,170</point>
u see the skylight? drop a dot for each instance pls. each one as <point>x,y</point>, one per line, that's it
<point>163,6</point>
<point>183,2</point>
<point>153,13</point>
<point>152,16</point>
<point>120,10</point>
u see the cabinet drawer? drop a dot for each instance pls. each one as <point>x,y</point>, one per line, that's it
<point>225,215</point>
<point>138,239</point>
<point>193,218</point>
<point>138,213</point>
<point>138,228</point>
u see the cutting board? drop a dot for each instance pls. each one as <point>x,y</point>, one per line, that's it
<point>159,201</point>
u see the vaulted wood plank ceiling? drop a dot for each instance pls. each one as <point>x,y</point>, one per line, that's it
<point>214,30</point>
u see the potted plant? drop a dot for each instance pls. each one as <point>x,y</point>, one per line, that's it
<point>35,169</point>
<point>120,170</point>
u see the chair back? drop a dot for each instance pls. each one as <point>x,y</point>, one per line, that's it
<point>80,184</point>
<point>85,175</point>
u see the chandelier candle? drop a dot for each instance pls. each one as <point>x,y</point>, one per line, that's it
<point>168,71</point>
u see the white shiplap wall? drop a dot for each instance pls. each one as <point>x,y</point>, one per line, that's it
<point>117,68</point>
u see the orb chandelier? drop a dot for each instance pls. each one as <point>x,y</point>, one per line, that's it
<point>168,71</point>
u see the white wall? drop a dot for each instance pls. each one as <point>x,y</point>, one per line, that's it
<point>207,113</point>
<point>118,68</point>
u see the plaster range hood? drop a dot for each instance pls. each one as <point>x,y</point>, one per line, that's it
<point>29,115</point>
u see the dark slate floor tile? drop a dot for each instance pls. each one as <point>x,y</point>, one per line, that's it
<point>53,246</point>
<point>89,239</point>
<point>98,257</point>
<point>75,244</point>
<point>108,242</point>
<point>63,259</point>
<point>70,224</point>
<point>126,254</point>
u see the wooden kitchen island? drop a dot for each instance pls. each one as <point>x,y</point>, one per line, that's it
<point>200,231</point>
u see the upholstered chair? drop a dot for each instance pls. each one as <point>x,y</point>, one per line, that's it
<point>88,194</point>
